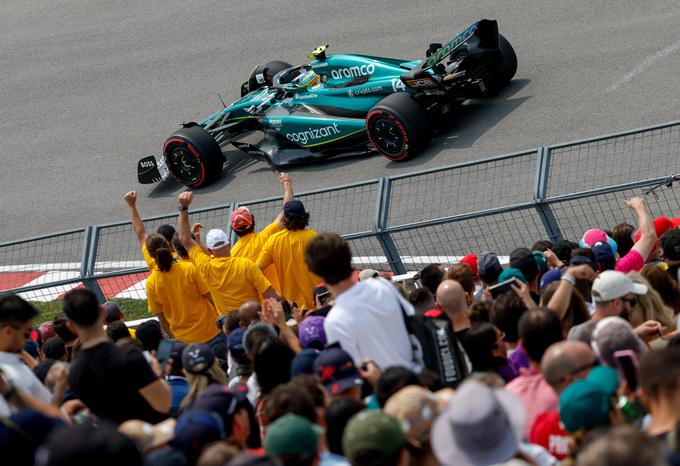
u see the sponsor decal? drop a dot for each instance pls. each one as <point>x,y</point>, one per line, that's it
<point>398,85</point>
<point>353,71</point>
<point>320,65</point>
<point>365,91</point>
<point>433,92</point>
<point>448,48</point>
<point>421,83</point>
<point>312,134</point>
<point>306,96</point>
<point>275,122</point>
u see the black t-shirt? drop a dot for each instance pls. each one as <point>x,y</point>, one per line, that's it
<point>107,378</point>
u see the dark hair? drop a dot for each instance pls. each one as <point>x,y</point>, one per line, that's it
<point>576,313</point>
<point>542,245</point>
<point>54,348</point>
<point>659,372</point>
<point>430,380</point>
<point>81,307</point>
<point>159,249</point>
<point>479,312</point>
<point>130,341</point>
<point>233,321</point>
<point>539,328</point>
<point>149,334</point>
<point>329,256</point>
<point>245,231</point>
<point>625,444</point>
<point>166,231</point>
<point>289,398</point>
<point>272,364</point>
<point>462,273</point>
<point>623,235</point>
<point>587,252</point>
<point>15,310</point>
<point>422,299</point>
<point>479,342</point>
<point>524,260</point>
<point>117,330</point>
<point>392,380</point>
<point>310,384</point>
<point>563,248</point>
<point>296,223</point>
<point>431,276</point>
<point>43,368</point>
<point>371,457</point>
<point>61,329</point>
<point>337,416</point>
<point>179,247</point>
<point>506,311</point>
<point>662,282</point>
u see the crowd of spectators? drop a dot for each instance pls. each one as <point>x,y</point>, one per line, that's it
<point>276,351</point>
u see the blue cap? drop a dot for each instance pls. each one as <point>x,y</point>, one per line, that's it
<point>604,256</point>
<point>336,369</point>
<point>221,400</point>
<point>197,358</point>
<point>303,362</point>
<point>235,342</point>
<point>550,276</point>
<point>195,429</point>
<point>294,208</point>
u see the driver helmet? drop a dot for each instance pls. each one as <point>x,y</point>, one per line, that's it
<point>307,79</point>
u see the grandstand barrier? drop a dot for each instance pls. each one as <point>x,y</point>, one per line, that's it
<point>397,223</point>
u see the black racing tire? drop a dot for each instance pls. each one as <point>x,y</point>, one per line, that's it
<point>504,70</point>
<point>269,70</point>
<point>193,157</point>
<point>398,127</point>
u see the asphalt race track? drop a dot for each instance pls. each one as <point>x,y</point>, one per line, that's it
<point>88,87</point>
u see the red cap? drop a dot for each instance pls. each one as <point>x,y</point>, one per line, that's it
<point>662,225</point>
<point>471,261</point>
<point>675,221</point>
<point>241,219</point>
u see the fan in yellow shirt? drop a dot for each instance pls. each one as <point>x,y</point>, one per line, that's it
<point>178,294</point>
<point>250,242</point>
<point>286,251</point>
<point>231,280</point>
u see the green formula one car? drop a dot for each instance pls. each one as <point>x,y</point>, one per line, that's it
<point>342,104</point>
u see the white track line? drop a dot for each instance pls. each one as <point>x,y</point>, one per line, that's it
<point>642,67</point>
<point>136,291</point>
<point>51,293</point>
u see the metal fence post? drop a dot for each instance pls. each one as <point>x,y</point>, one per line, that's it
<point>544,211</point>
<point>379,225</point>
<point>87,266</point>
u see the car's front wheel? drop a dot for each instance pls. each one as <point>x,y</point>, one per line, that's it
<point>398,127</point>
<point>193,157</point>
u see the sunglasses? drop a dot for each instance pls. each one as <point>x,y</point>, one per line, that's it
<point>631,301</point>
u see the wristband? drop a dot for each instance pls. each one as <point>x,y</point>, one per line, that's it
<point>567,277</point>
<point>182,208</point>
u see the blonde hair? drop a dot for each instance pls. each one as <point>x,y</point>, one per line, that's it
<point>199,382</point>
<point>649,306</point>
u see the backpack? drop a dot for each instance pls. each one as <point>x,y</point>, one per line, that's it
<point>435,344</point>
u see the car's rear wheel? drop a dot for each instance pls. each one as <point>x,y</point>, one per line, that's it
<point>193,157</point>
<point>398,127</point>
<point>504,70</point>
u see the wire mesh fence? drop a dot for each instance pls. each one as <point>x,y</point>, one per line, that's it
<point>395,223</point>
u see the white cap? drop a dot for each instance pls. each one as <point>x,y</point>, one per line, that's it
<point>611,285</point>
<point>216,239</point>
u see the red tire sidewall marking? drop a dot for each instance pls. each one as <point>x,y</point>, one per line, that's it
<point>399,124</point>
<point>195,154</point>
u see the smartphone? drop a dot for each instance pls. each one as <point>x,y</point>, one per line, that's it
<point>627,362</point>
<point>502,287</point>
<point>163,352</point>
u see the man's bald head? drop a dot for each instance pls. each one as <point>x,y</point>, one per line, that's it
<point>565,361</point>
<point>451,297</point>
<point>249,312</point>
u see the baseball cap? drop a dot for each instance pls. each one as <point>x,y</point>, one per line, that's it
<point>294,208</point>
<point>670,244</point>
<point>368,273</point>
<point>611,284</point>
<point>311,331</point>
<point>336,370</point>
<point>481,426</point>
<point>539,257</point>
<point>197,358</point>
<point>241,219</point>
<point>221,400</point>
<point>585,403</point>
<point>176,354</point>
<point>585,260</point>
<point>374,431</point>
<point>596,235</point>
<point>416,408</point>
<point>511,272</point>
<point>47,330</point>
<point>292,435</point>
<point>604,255</point>
<point>195,429</point>
<point>303,362</point>
<point>235,342</point>
<point>488,265</point>
<point>613,334</point>
<point>550,276</point>
<point>148,436</point>
<point>522,258</point>
<point>112,310</point>
<point>471,261</point>
<point>216,239</point>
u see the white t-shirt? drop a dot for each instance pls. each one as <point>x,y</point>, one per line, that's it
<point>368,323</point>
<point>23,378</point>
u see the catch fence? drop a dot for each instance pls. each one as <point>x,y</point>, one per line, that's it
<point>398,223</point>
